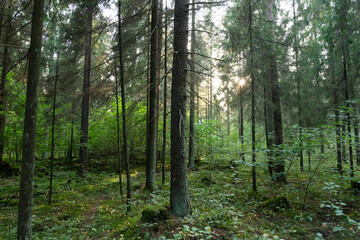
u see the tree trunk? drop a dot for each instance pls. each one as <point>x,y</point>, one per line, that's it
<point>356,133</point>
<point>253,143</point>
<point>24,229</point>
<point>2,13</point>
<point>228,123</point>
<point>151,136</point>
<point>269,126</point>
<point>84,158</point>
<point>118,128</point>
<point>123,108</point>
<point>279,165</point>
<point>165,97</point>
<point>5,66</point>
<point>179,189</point>
<point>347,106</point>
<point>298,83</point>
<point>192,90</point>
<point>53,131</point>
<point>241,123</point>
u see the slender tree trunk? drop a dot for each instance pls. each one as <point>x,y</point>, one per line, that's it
<point>192,90</point>
<point>2,13</point>
<point>241,122</point>
<point>53,131</point>
<point>348,108</point>
<point>298,83</point>
<point>71,147</point>
<point>331,55</point>
<point>338,134</point>
<point>165,97</point>
<point>84,158</point>
<point>253,143</point>
<point>71,143</point>
<point>24,230</point>
<point>279,165</point>
<point>356,133</point>
<point>5,66</point>
<point>179,189</point>
<point>228,123</point>
<point>123,106</point>
<point>118,130</point>
<point>151,136</point>
<point>343,136</point>
<point>269,126</point>
<point>160,33</point>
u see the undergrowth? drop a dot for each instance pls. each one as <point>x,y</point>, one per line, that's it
<point>321,206</point>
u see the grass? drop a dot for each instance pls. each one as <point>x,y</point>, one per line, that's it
<point>223,206</point>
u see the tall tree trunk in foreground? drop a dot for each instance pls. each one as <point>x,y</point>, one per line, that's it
<point>165,97</point>
<point>123,108</point>
<point>192,91</point>
<point>298,83</point>
<point>5,66</point>
<point>279,164</point>
<point>253,146</point>
<point>84,158</point>
<point>151,136</point>
<point>53,130</point>
<point>241,123</point>
<point>118,128</point>
<point>179,189</point>
<point>24,230</point>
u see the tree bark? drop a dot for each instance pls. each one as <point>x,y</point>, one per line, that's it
<point>298,83</point>
<point>241,123</point>
<point>253,137</point>
<point>118,129</point>
<point>5,66</point>
<point>84,158</point>
<point>165,97</point>
<point>123,106</point>
<point>279,165</point>
<point>151,136</point>
<point>24,229</point>
<point>53,131</point>
<point>179,189</point>
<point>192,90</point>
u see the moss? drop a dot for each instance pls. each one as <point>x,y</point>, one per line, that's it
<point>152,214</point>
<point>276,204</point>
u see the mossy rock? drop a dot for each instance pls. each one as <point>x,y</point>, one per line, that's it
<point>152,214</point>
<point>276,204</point>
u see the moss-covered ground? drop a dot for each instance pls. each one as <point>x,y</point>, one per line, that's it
<point>321,205</point>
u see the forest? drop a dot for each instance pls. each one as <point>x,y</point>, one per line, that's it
<point>179,119</point>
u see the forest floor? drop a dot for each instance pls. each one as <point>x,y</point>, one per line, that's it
<point>320,206</point>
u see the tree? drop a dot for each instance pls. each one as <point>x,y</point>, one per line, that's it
<point>84,158</point>
<point>4,72</point>
<point>152,128</point>
<point>192,89</point>
<point>279,166</point>
<point>179,189</point>
<point>29,135</point>
<point>165,95</point>
<point>123,108</point>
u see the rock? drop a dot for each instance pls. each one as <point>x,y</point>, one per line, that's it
<point>152,214</point>
<point>276,204</point>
